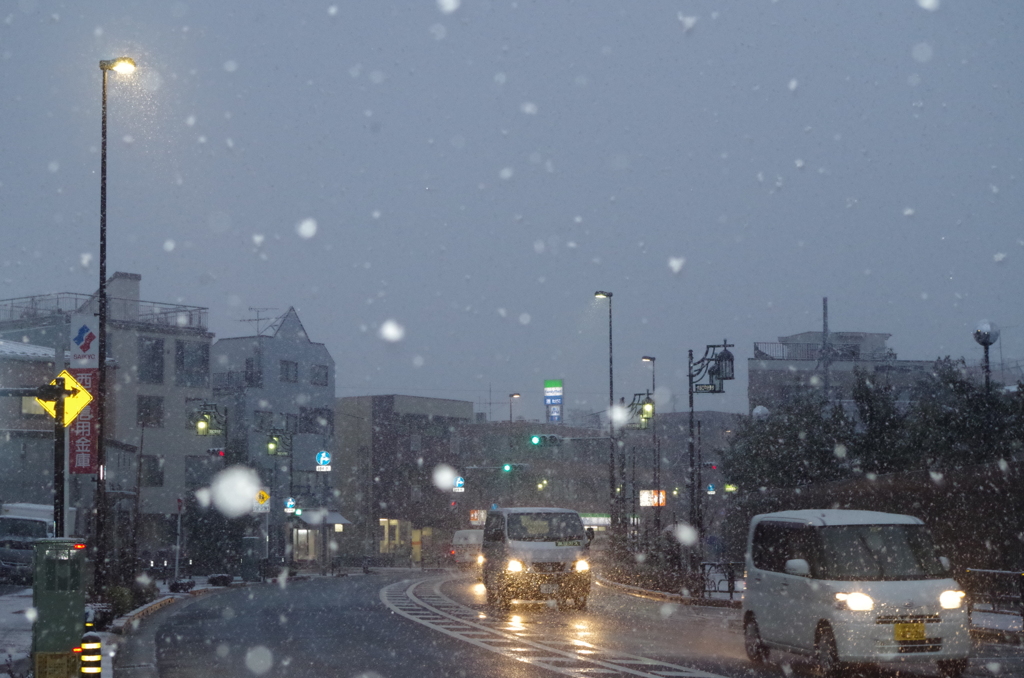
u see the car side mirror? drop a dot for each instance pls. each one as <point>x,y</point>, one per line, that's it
<point>798,567</point>
<point>946,565</point>
<point>590,535</point>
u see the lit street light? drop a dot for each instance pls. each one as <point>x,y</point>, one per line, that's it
<point>511,397</point>
<point>657,453</point>
<point>123,66</point>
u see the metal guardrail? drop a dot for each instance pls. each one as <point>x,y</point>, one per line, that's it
<point>721,578</point>
<point>1002,590</point>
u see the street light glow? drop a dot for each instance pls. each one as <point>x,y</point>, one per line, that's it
<point>122,65</point>
<point>603,295</point>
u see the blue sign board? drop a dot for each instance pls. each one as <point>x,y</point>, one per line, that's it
<point>460,482</point>
<point>323,458</point>
<point>553,400</point>
<point>289,503</point>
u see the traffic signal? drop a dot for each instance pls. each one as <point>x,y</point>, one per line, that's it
<point>713,465</point>
<point>274,445</point>
<point>539,440</point>
<point>216,452</point>
<point>506,468</point>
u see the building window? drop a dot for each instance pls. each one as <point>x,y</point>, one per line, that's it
<point>289,371</point>
<point>319,420</point>
<point>291,423</point>
<point>318,376</point>
<point>151,360</point>
<point>252,373</point>
<point>192,363</point>
<point>149,411</point>
<point>263,421</point>
<point>152,471</point>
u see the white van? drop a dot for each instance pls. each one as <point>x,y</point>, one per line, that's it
<point>851,587</point>
<point>466,545</point>
<point>536,554</point>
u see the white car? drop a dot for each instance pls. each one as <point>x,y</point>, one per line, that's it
<point>851,587</point>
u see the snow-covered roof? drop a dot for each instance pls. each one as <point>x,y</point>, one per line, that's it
<point>843,517</point>
<point>17,349</point>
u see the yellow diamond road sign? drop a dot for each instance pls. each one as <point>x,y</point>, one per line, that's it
<point>262,497</point>
<point>74,403</point>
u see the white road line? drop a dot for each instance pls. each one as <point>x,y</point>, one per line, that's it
<point>463,623</point>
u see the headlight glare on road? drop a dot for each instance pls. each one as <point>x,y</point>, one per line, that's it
<point>514,566</point>
<point>950,600</point>
<point>582,566</point>
<point>856,601</point>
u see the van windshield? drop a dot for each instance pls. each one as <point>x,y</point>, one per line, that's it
<point>878,553</point>
<point>545,527</point>
<point>22,528</point>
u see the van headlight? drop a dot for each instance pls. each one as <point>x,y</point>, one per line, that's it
<point>582,566</point>
<point>859,602</point>
<point>480,559</point>
<point>951,600</point>
<point>514,566</point>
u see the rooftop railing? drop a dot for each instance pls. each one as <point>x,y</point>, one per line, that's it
<point>118,310</point>
<point>773,350</point>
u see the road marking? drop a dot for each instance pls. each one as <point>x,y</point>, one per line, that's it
<point>431,608</point>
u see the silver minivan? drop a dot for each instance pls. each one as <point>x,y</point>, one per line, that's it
<point>536,554</point>
<point>851,587</point>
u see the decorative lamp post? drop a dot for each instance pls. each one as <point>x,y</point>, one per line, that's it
<point>986,334</point>
<point>123,66</point>
<point>718,365</point>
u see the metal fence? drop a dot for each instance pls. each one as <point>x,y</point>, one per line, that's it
<point>996,590</point>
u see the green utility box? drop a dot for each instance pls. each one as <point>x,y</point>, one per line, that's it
<point>58,595</point>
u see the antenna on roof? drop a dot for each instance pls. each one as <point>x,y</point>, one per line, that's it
<point>258,319</point>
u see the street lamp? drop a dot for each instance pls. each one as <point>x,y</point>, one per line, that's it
<point>717,364</point>
<point>511,397</point>
<point>613,499</point>
<point>657,453</point>
<point>986,334</point>
<point>123,66</point>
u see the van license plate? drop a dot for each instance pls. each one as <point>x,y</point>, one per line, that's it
<point>909,631</point>
<point>549,588</point>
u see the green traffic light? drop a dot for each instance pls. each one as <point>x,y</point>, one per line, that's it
<point>534,440</point>
<point>506,467</point>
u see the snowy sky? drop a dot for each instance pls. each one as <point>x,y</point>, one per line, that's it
<point>473,171</point>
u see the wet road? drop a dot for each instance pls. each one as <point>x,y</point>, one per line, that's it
<point>397,625</point>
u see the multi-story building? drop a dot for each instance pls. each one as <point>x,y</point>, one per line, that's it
<point>279,384</point>
<point>386,451</point>
<point>157,368</point>
<point>801,361</point>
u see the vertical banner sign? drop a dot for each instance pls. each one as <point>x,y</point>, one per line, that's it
<point>85,368</point>
<point>553,400</point>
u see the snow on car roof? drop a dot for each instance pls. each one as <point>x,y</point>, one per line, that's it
<point>843,517</point>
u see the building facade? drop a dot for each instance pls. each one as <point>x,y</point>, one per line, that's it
<point>157,367</point>
<point>280,384</point>
<point>800,362</point>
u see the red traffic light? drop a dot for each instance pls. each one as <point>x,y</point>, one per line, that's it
<point>215,451</point>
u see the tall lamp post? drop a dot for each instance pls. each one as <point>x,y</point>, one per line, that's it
<point>124,66</point>
<point>657,453</point>
<point>511,397</point>
<point>717,364</point>
<point>612,498</point>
